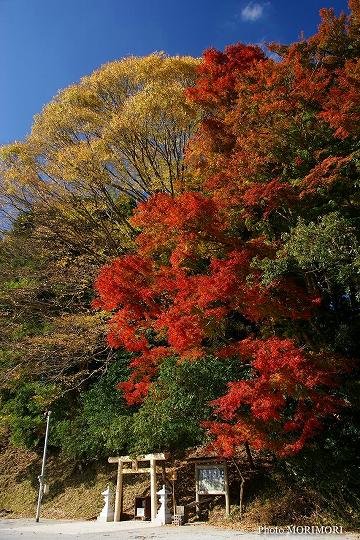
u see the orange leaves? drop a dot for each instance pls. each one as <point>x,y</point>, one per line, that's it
<point>187,219</point>
<point>331,42</point>
<point>324,174</point>
<point>219,71</point>
<point>342,106</point>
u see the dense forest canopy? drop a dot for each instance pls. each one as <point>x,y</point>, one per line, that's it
<point>215,205</point>
<point>244,261</point>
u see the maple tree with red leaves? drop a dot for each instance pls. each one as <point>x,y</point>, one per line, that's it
<point>213,272</point>
<point>282,403</point>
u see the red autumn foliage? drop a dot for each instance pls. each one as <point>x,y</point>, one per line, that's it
<point>218,74</point>
<point>261,153</point>
<point>342,107</point>
<point>324,174</point>
<point>269,196</point>
<point>281,404</point>
<point>179,304</point>
<point>163,218</point>
<point>256,150</point>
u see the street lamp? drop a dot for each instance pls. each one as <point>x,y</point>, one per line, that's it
<point>41,477</point>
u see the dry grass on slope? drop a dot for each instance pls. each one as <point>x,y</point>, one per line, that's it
<point>75,492</point>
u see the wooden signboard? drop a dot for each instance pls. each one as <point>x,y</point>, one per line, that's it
<point>212,480</point>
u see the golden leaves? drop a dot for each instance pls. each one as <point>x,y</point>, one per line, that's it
<point>120,132</point>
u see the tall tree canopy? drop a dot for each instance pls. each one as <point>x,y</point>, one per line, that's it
<point>257,256</point>
<point>117,136</point>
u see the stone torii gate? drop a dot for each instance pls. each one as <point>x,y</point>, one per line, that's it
<point>134,469</point>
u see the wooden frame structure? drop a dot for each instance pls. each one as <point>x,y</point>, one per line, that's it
<point>134,469</point>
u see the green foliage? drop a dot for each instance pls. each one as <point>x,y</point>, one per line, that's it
<point>331,468</point>
<point>171,416</point>
<point>22,412</point>
<point>31,327</point>
<point>325,255</point>
<point>328,249</point>
<point>18,283</point>
<point>99,424</point>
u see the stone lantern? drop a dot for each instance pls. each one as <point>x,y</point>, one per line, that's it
<point>163,516</point>
<point>107,513</point>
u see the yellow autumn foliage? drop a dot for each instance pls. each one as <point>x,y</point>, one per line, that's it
<point>119,134</point>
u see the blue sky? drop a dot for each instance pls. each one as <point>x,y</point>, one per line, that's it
<point>48,44</point>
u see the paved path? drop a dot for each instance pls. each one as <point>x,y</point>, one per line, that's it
<point>25,529</point>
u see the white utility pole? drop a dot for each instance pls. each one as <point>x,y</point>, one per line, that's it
<point>41,477</point>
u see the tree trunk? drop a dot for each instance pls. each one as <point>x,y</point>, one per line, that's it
<point>249,456</point>
<point>241,496</point>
